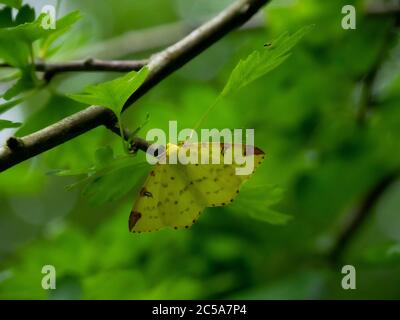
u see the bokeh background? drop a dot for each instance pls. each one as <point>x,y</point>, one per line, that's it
<point>328,119</point>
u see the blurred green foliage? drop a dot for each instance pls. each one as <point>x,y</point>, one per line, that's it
<point>326,146</point>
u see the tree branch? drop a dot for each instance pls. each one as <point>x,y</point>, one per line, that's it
<point>355,222</point>
<point>20,149</point>
<point>161,65</point>
<point>51,69</point>
<point>177,55</point>
<point>24,148</point>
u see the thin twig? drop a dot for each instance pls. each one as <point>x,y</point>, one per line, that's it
<point>51,69</point>
<point>161,65</point>
<point>60,132</point>
<point>357,219</point>
<point>53,135</point>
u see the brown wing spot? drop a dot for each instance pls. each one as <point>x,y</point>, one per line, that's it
<point>186,227</point>
<point>145,193</point>
<point>258,151</point>
<point>223,203</point>
<point>152,173</point>
<point>176,228</point>
<point>172,178</point>
<point>133,219</point>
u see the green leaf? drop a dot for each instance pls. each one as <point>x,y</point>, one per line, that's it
<point>12,3</point>
<point>16,53</point>
<point>27,32</point>
<point>25,15</point>
<point>115,184</point>
<point>62,25</point>
<point>10,104</point>
<point>5,124</point>
<point>256,201</point>
<point>259,63</point>
<point>16,46</point>
<point>104,155</point>
<point>140,127</point>
<point>16,42</point>
<point>112,94</point>
<point>109,178</point>
<point>6,19</point>
<point>270,216</point>
<point>25,83</point>
<point>9,76</point>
